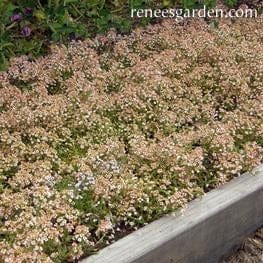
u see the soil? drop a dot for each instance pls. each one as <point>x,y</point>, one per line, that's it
<point>251,251</point>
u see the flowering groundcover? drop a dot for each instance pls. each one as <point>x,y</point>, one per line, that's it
<point>102,137</point>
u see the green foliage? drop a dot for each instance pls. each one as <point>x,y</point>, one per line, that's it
<point>68,150</point>
<point>28,26</point>
<point>231,3</point>
<point>65,183</point>
<point>87,204</point>
<point>97,209</point>
<point>10,172</point>
<point>60,248</point>
<point>8,236</point>
<point>114,86</point>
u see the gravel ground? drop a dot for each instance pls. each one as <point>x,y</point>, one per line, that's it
<point>251,250</point>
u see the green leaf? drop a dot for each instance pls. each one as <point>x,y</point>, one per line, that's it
<point>70,1</point>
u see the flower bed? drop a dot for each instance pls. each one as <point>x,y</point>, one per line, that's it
<point>104,136</point>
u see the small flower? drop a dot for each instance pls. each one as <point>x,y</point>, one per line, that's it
<point>28,11</point>
<point>15,18</point>
<point>26,31</point>
<point>101,40</point>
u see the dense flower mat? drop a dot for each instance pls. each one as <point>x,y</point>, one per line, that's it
<point>103,137</point>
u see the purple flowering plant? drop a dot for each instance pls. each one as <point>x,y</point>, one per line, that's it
<point>15,17</point>
<point>26,31</point>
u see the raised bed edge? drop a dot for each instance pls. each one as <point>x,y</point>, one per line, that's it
<point>202,233</point>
